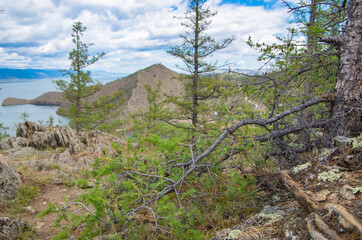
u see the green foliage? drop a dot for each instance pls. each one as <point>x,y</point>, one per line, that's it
<point>28,191</point>
<point>124,185</point>
<point>24,116</point>
<point>3,130</point>
<point>50,121</point>
<point>80,87</point>
<point>197,45</point>
<point>301,67</point>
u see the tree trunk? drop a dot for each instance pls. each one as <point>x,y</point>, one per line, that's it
<point>349,82</point>
<point>347,107</point>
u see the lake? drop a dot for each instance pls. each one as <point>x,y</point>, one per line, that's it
<point>10,116</point>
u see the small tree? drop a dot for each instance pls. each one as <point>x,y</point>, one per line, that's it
<point>196,47</point>
<point>81,85</point>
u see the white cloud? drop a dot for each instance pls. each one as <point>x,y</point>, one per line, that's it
<point>132,33</point>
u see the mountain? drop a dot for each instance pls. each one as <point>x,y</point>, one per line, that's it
<point>133,87</point>
<point>12,75</point>
<point>9,75</point>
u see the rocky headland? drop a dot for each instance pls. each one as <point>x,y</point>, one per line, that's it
<point>133,87</point>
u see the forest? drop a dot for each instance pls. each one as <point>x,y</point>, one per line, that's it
<point>212,160</point>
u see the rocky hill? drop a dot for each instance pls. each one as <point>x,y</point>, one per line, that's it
<point>133,87</point>
<point>49,98</point>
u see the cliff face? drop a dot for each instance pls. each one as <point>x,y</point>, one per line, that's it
<point>133,87</point>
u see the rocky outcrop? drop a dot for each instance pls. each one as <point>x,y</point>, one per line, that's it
<point>9,181</point>
<point>10,229</point>
<point>70,149</point>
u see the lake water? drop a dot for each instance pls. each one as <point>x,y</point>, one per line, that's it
<point>10,116</point>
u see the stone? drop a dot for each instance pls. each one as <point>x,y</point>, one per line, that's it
<point>221,235</point>
<point>347,193</point>
<point>64,158</point>
<point>341,141</point>
<point>10,229</point>
<point>27,129</point>
<point>18,142</point>
<point>30,209</point>
<point>270,214</point>
<point>234,234</point>
<point>4,145</point>
<point>322,195</point>
<point>333,197</point>
<point>9,181</point>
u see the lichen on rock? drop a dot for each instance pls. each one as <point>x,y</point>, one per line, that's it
<point>301,167</point>
<point>330,176</point>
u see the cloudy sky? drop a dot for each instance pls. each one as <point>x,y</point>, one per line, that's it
<point>133,33</point>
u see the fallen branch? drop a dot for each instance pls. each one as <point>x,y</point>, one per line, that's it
<point>348,217</point>
<point>314,233</point>
<point>309,204</point>
<point>325,228</point>
<point>230,130</point>
<point>264,122</point>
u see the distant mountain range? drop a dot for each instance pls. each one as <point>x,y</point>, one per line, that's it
<point>12,75</point>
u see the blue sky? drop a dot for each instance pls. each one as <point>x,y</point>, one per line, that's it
<point>133,33</point>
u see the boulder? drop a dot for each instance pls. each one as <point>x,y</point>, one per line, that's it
<point>9,181</point>
<point>4,145</point>
<point>26,129</point>
<point>10,229</point>
<point>63,137</point>
<point>17,142</point>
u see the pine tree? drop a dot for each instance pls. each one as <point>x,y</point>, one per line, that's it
<point>80,86</point>
<point>194,50</point>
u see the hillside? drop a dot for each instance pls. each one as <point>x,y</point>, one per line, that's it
<point>132,86</point>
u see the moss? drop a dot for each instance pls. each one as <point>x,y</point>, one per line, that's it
<point>301,167</point>
<point>330,176</point>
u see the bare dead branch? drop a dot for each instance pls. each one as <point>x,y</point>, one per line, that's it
<point>325,228</point>
<point>309,204</point>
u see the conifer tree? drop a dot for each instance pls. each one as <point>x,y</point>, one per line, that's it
<point>197,45</point>
<point>80,85</point>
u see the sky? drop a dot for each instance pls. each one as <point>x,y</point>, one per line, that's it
<point>134,34</point>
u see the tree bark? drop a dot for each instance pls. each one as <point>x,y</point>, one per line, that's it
<point>349,83</point>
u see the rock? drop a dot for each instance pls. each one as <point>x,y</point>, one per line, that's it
<point>64,137</point>
<point>30,209</point>
<point>10,229</point>
<point>221,235</point>
<point>270,214</point>
<point>333,197</point>
<point>322,195</point>
<point>17,142</point>
<point>9,181</point>
<point>235,234</point>
<point>4,145</point>
<point>347,193</point>
<point>341,141</point>
<point>64,158</point>
<point>351,162</point>
<point>27,129</point>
